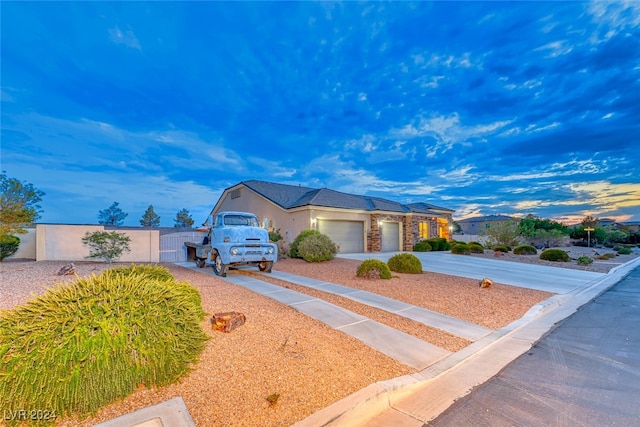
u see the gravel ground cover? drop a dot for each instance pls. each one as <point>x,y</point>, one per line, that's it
<point>280,351</point>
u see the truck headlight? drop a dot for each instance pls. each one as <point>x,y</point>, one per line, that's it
<point>234,251</point>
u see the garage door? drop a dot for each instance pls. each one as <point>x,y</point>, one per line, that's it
<point>390,236</point>
<point>349,235</point>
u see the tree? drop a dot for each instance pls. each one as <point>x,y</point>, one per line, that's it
<point>106,245</point>
<point>113,215</point>
<point>504,233</point>
<point>18,205</point>
<point>183,219</point>
<point>150,219</point>
<point>590,222</point>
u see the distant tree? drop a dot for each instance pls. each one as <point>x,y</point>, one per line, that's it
<point>542,232</point>
<point>18,205</point>
<point>456,228</point>
<point>589,221</point>
<point>504,233</point>
<point>183,219</point>
<point>150,219</point>
<point>113,215</point>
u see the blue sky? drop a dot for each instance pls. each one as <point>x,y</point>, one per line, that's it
<point>483,107</point>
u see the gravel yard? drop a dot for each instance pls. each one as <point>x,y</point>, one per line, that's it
<point>279,350</point>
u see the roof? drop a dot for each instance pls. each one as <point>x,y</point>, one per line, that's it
<point>485,218</point>
<point>292,196</point>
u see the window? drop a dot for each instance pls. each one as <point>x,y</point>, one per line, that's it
<point>235,193</point>
<point>423,230</point>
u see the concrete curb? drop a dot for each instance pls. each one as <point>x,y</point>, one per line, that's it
<point>412,398</point>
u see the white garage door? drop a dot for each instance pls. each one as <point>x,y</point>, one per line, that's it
<point>390,236</point>
<point>349,235</point>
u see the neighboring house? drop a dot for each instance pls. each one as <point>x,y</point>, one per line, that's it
<point>356,223</point>
<point>480,224</point>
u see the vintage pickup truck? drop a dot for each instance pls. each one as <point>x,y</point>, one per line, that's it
<point>233,239</point>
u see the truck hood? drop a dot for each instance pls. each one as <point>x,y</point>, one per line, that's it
<point>245,234</point>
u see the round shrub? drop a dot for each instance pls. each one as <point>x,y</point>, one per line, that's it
<point>373,269</point>
<point>525,250</point>
<point>475,248</point>
<point>439,244</point>
<point>405,263</point>
<point>624,250</point>
<point>317,248</point>
<point>8,245</point>
<point>554,255</point>
<point>473,242</point>
<point>293,249</point>
<point>501,248</point>
<point>422,246</point>
<point>460,249</point>
<point>584,260</point>
<point>85,344</point>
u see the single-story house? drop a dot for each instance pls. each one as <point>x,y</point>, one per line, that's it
<point>480,224</point>
<point>355,223</point>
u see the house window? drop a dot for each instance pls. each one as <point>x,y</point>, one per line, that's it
<point>423,230</point>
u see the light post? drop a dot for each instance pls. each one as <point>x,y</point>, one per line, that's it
<point>588,230</point>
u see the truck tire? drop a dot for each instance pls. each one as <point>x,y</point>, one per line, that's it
<point>265,266</point>
<point>219,267</point>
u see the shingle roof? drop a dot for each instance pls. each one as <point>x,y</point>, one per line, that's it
<point>485,218</point>
<point>292,196</point>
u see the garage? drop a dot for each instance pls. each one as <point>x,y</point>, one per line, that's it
<point>390,232</point>
<point>348,235</point>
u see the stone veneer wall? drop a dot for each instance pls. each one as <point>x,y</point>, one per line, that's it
<point>410,230</point>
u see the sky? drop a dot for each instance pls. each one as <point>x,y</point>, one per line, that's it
<point>510,108</point>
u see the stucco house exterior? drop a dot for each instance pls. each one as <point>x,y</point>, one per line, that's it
<point>480,224</point>
<point>356,223</point>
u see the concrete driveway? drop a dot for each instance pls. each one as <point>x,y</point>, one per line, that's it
<point>551,279</point>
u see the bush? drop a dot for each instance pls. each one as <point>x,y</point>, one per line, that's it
<point>584,260</point>
<point>373,269</point>
<point>422,246</point>
<point>8,246</point>
<point>554,255</point>
<point>106,245</point>
<point>624,250</point>
<point>525,250</point>
<point>405,263</point>
<point>293,249</point>
<point>83,345</point>
<point>275,236</point>
<point>460,249</point>
<point>317,248</point>
<point>473,242</point>
<point>501,248</point>
<point>607,256</point>
<point>439,244</point>
<point>283,249</point>
<point>475,248</point>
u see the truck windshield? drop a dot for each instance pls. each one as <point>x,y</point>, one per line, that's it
<point>250,221</point>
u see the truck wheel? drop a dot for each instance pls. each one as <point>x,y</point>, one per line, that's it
<point>265,266</point>
<point>200,262</point>
<point>219,268</point>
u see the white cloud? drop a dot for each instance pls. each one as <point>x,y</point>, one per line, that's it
<point>127,38</point>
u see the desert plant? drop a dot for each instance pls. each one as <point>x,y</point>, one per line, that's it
<point>460,249</point>
<point>554,255</point>
<point>475,248</point>
<point>501,248</point>
<point>293,248</point>
<point>422,246</point>
<point>8,245</point>
<point>584,260</point>
<point>317,248</point>
<point>107,245</point>
<point>525,250</point>
<point>373,269</point>
<point>607,256</point>
<point>624,250</point>
<point>283,249</point>
<point>405,263</point>
<point>82,345</point>
<point>473,242</point>
<point>275,236</point>
<point>439,244</point>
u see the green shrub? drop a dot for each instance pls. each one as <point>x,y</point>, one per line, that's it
<point>422,246</point>
<point>439,244</point>
<point>473,242</point>
<point>554,255</point>
<point>107,245</point>
<point>93,341</point>
<point>373,269</point>
<point>624,250</point>
<point>460,249</point>
<point>501,248</point>
<point>475,248</point>
<point>275,236</point>
<point>584,260</point>
<point>405,263</point>
<point>525,250</point>
<point>8,246</point>
<point>293,249</point>
<point>607,256</point>
<point>317,248</point>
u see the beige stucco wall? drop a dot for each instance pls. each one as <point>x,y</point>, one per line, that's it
<point>60,242</point>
